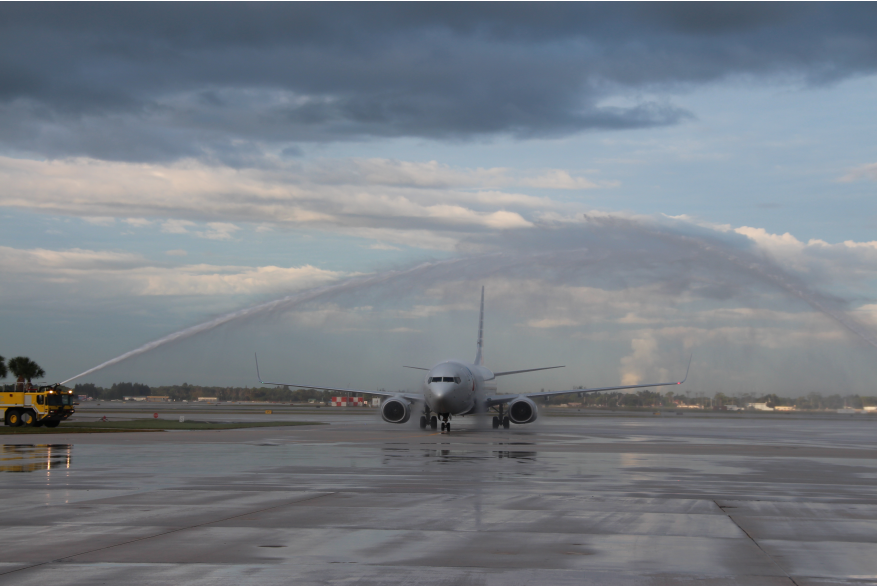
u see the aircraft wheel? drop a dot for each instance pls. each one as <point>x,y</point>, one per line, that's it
<point>506,422</point>
<point>495,422</point>
<point>433,423</point>
<point>448,426</point>
<point>423,421</point>
<point>13,418</point>
<point>443,426</point>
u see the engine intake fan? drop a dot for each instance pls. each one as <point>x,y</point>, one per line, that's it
<point>395,410</point>
<point>522,411</point>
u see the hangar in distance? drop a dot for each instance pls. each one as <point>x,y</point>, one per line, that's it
<point>456,388</point>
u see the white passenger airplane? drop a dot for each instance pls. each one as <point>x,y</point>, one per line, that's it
<point>455,388</point>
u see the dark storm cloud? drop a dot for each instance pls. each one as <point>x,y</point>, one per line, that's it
<point>162,81</point>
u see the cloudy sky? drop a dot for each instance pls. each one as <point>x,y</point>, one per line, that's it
<point>632,183</point>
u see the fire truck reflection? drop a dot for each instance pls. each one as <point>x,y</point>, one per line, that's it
<point>25,458</point>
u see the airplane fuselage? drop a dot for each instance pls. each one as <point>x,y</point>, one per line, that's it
<point>456,387</point>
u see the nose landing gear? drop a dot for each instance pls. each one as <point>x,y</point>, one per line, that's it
<point>433,423</point>
<point>446,426</point>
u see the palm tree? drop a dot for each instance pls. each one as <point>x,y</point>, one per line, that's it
<point>3,371</point>
<point>25,369</point>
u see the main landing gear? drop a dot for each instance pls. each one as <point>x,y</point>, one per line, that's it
<point>501,420</point>
<point>429,420</point>
<point>505,422</point>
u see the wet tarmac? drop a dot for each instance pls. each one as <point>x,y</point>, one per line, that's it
<point>570,500</point>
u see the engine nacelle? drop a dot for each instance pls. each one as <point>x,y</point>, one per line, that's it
<point>395,410</point>
<point>522,410</point>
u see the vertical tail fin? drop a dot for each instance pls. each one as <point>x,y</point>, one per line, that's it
<point>479,359</point>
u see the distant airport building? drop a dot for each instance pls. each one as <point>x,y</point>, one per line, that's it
<point>341,402</point>
<point>207,399</point>
<point>759,406</point>
<point>134,398</point>
<point>157,398</point>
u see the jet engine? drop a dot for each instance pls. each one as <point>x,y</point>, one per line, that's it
<point>395,410</point>
<point>522,410</point>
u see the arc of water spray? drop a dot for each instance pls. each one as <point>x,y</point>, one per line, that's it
<point>746,262</point>
<point>764,269</point>
<point>358,281</point>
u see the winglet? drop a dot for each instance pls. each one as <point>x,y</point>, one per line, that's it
<point>479,359</point>
<point>259,377</point>
<point>687,370</point>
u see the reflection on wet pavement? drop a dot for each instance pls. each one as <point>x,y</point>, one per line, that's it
<point>25,458</point>
<point>570,501</point>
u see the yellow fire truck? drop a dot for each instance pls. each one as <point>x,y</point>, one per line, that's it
<point>26,405</point>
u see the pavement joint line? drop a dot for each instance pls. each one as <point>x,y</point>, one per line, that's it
<point>62,559</point>
<point>755,542</point>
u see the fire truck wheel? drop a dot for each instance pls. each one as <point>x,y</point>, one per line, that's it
<point>27,418</point>
<point>51,423</point>
<point>13,418</point>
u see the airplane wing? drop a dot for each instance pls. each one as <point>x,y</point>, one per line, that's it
<point>526,370</point>
<point>409,396</point>
<point>501,399</point>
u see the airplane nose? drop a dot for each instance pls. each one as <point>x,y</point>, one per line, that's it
<point>440,393</point>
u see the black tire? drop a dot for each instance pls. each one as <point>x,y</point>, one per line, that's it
<point>506,422</point>
<point>443,426</point>
<point>495,422</point>
<point>13,418</point>
<point>28,418</point>
<point>448,426</point>
<point>51,423</point>
<point>423,421</point>
<point>433,423</point>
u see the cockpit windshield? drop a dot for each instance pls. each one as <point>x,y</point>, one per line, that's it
<point>445,379</point>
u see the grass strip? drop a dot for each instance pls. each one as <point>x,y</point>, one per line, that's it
<point>8,431</point>
<point>145,425</point>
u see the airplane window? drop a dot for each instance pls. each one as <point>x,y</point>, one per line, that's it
<point>457,380</point>
<point>449,379</point>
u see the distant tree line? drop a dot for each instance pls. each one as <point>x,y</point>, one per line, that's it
<point>193,392</point>
<point>669,399</point>
<point>616,399</point>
